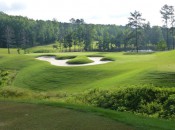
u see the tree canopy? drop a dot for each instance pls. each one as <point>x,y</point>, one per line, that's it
<point>21,33</point>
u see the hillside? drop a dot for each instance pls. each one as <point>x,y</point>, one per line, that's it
<point>128,76</point>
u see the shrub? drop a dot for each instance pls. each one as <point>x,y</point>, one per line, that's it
<point>6,77</point>
<point>149,101</point>
<point>12,92</point>
<point>43,51</point>
<point>169,107</point>
<point>150,108</point>
<point>55,46</point>
<point>161,46</point>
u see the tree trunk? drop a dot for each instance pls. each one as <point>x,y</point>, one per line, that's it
<point>167,39</point>
<point>137,49</point>
<point>173,37</point>
<point>74,47</point>
<point>167,34</point>
<point>69,49</point>
<point>8,48</point>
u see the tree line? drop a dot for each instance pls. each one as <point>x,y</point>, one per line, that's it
<point>21,33</point>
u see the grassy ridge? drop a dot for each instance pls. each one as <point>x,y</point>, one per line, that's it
<point>127,70</point>
<point>107,59</point>
<point>44,49</point>
<point>80,60</point>
<point>63,57</point>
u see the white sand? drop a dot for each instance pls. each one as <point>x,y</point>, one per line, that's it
<point>56,62</point>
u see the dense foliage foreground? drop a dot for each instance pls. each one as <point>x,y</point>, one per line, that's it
<point>140,84</point>
<point>156,102</point>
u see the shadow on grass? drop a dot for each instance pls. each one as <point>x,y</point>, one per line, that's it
<point>161,79</point>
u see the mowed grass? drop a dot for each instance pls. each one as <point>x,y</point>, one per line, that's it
<point>80,60</point>
<point>12,51</point>
<point>125,71</point>
<point>18,116</point>
<point>44,49</point>
<point>49,48</point>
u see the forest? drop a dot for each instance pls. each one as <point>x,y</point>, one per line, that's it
<point>21,33</point>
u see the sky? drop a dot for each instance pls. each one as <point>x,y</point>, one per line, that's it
<point>92,11</point>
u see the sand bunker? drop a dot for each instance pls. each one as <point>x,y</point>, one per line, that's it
<point>56,62</point>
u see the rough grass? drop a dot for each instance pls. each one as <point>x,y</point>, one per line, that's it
<point>80,60</point>
<point>44,49</point>
<point>12,51</point>
<point>39,117</point>
<point>79,117</point>
<point>138,53</point>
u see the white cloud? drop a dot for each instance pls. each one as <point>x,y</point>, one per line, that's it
<point>92,11</point>
<point>7,6</point>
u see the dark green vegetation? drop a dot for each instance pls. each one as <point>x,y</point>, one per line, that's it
<point>154,102</point>
<point>80,60</point>
<point>22,33</point>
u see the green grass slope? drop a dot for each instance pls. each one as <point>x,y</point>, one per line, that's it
<point>80,60</point>
<point>12,51</point>
<point>125,71</point>
<point>34,76</point>
<point>44,49</point>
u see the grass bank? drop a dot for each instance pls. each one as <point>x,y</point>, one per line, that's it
<point>80,60</point>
